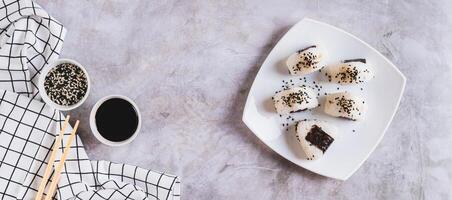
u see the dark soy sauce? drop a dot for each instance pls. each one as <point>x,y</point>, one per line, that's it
<point>116,120</point>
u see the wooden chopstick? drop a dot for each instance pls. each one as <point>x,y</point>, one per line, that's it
<point>56,146</point>
<point>56,175</point>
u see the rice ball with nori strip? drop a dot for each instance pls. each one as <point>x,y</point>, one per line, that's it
<point>295,100</point>
<point>315,137</point>
<point>66,84</point>
<point>306,60</point>
<point>350,72</point>
<point>346,105</point>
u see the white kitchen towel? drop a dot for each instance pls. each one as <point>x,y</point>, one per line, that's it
<point>29,40</point>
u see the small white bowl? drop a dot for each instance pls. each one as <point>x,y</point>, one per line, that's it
<point>43,93</point>
<point>92,121</point>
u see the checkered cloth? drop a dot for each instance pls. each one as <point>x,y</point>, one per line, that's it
<point>29,40</point>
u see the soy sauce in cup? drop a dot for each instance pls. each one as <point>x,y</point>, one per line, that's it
<point>115,120</point>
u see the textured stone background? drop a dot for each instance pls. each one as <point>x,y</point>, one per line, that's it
<point>190,64</point>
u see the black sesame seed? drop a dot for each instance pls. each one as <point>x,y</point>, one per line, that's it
<point>66,84</point>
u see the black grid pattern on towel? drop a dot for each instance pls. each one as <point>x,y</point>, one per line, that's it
<point>29,40</point>
<point>27,134</point>
<point>131,182</point>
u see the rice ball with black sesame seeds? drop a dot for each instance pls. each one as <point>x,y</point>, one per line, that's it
<point>315,137</point>
<point>346,105</point>
<point>306,61</point>
<point>295,99</point>
<point>350,72</point>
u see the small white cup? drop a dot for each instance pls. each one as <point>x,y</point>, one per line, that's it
<point>43,93</point>
<point>92,121</point>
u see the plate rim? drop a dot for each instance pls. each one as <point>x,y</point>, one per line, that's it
<point>399,98</point>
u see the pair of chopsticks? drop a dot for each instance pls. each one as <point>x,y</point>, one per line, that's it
<point>56,175</point>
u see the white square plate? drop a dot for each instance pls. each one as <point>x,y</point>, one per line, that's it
<point>357,139</point>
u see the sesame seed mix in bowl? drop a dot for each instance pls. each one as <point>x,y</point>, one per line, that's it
<point>66,84</point>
